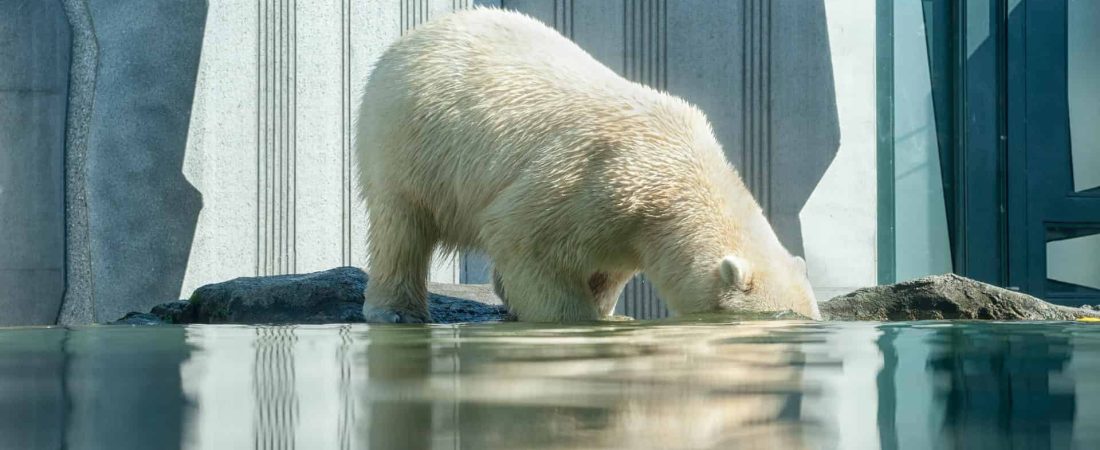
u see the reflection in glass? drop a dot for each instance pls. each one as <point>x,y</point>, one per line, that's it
<point>1083,81</point>
<point>1082,369</point>
<point>922,245</point>
<point>123,388</point>
<point>990,381</point>
<point>1073,259</point>
<point>32,388</point>
<point>986,385</point>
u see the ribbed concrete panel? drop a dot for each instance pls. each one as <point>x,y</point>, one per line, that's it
<point>322,138</point>
<point>137,209</point>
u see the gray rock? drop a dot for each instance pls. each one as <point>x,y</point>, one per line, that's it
<point>944,297</point>
<point>331,296</point>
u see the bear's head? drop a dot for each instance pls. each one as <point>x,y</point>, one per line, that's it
<point>747,269</point>
<point>772,284</point>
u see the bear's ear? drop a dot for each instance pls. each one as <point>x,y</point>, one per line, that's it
<point>800,264</point>
<point>735,272</point>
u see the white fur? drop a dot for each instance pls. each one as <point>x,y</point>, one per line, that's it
<point>735,272</point>
<point>488,130</point>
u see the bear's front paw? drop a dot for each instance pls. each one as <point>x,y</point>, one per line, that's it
<point>374,314</point>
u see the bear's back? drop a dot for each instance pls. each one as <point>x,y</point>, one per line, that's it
<point>463,107</point>
<point>502,62</point>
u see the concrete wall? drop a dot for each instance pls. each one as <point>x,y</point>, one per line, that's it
<point>839,221</point>
<point>34,66</point>
<point>211,140</point>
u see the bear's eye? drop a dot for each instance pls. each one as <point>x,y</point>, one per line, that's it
<point>750,285</point>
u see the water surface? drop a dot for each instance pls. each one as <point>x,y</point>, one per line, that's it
<point>511,386</point>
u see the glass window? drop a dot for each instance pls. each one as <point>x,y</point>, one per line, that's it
<point>1083,59</point>
<point>922,246</point>
<point>1072,263</point>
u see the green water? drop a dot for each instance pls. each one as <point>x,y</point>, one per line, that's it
<point>514,386</point>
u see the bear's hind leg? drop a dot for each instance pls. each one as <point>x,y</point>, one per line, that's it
<point>540,296</point>
<point>606,288</point>
<point>401,244</point>
<point>498,287</point>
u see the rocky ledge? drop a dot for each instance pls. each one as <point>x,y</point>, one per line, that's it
<point>336,296</point>
<point>942,297</point>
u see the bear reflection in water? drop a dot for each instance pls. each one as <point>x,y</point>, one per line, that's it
<point>502,386</point>
<point>681,385</point>
<point>669,384</point>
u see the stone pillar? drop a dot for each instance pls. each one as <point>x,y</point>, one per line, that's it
<point>34,64</point>
<point>212,140</point>
<point>132,212</point>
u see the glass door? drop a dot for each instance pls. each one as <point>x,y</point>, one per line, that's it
<point>1054,124</point>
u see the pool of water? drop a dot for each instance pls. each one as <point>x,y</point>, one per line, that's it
<point>686,384</point>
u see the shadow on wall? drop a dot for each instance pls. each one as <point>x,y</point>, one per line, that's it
<point>805,130</point>
<point>765,82</point>
<point>140,210</point>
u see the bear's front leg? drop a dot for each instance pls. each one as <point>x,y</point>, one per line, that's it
<point>401,244</point>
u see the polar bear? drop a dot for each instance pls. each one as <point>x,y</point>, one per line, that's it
<point>488,130</point>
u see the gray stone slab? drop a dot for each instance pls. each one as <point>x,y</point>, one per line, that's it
<point>31,208</point>
<point>30,296</point>
<point>34,55</point>
<point>34,43</point>
<point>141,209</point>
<point>77,304</point>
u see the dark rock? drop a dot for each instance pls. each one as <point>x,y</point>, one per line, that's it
<point>175,312</point>
<point>331,296</point>
<point>137,318</point>
<point>319,297</point>
<point>944,297</point>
